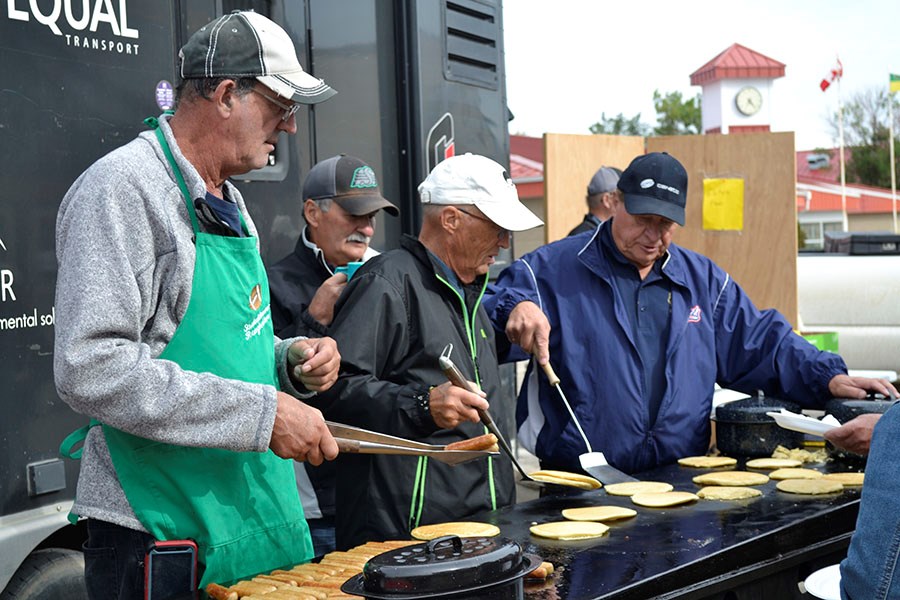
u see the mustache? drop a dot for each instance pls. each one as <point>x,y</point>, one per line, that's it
<point>358,237</point>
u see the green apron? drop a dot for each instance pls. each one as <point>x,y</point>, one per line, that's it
<point>242,508</point>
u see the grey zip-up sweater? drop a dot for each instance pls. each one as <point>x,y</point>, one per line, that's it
<point>126,262</point>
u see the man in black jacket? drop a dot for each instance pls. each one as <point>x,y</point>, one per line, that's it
<point>392,323</point>
<point>340,202</point>
<point>600,199</point>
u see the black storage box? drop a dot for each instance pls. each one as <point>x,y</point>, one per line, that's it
<point>865,242</point>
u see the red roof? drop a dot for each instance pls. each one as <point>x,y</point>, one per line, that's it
<point>529,147</point>
<point>738,62</point>
<point>526,158</point>
<point>860,200</point>
<point>819,188</point>
<point>821,166</point>
<point>521,168</point>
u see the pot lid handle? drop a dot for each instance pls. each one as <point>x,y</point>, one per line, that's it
<point>432,544</point>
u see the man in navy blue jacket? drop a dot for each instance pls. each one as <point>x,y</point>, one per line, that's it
<point>641,330</point>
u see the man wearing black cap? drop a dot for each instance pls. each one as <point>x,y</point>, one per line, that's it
<point>340,204</point>
<point>164,335</point>
<point>640,330</point>
<point>600,199</point>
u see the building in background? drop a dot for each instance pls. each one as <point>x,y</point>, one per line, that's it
<point>818,194</point>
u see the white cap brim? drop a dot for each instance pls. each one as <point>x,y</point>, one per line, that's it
<point>298,86</point>
<point>513,216</point>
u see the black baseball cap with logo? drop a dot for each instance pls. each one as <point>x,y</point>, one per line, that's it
<point>348,181</point>
<point>655,184</point>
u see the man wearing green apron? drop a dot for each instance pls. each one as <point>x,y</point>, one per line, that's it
<point>164,334</point>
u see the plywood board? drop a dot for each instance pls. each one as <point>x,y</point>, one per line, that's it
<point>762,257</point>
<point>569,163</point>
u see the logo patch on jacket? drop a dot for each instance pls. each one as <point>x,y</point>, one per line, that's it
<point>694,316</point>
<point>256,297</point>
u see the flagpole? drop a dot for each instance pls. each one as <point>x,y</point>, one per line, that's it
<point>841,135</point>
<point>893,165</point>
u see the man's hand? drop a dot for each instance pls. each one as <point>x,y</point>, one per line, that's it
<point>529,328</point>
<point>451,405</point>
<point>844,386</point>
<point>854,435</point>
<point>300,432</point>
<point>314,363</point>
<point>321,307</point>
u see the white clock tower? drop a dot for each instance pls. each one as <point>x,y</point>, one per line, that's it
<point>737,90</point>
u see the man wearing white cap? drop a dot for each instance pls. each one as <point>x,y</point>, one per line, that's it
<point>393,321</point>
<point>164,336</point>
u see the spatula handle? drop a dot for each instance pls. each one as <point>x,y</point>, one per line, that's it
<point>551,374</point>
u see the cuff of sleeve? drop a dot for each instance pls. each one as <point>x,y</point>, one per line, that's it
<point>267,419</point>
<point>285,383</point>
<point>421,409</point>
<point>831,367</point>
<point>510,300</point>
<point>312,323</point>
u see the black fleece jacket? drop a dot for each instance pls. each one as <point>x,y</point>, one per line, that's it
<point>391,324</point>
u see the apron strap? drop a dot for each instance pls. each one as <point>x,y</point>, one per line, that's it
<point>76,438</point>
<point>153,123</point>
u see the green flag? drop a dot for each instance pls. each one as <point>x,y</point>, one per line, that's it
<point>895,83</point>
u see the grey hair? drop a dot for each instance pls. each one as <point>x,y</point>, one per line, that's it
<point>324,205</point>
<point>203,87</point>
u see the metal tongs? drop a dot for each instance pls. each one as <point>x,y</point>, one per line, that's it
<point>354,440</point>
<point>456,378</point>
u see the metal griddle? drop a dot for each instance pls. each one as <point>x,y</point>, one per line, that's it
<point>688,551</point>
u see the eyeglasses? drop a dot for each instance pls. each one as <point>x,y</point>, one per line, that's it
<point>288,110</point>
<point>500,234</point>
<point>660,224</point>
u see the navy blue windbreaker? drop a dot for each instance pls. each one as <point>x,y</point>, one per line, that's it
<point>717,335</point>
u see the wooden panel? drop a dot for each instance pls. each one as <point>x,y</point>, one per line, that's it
<point>762,257</point>
<point>569,163</point>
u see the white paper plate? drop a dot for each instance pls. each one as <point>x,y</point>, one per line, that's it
<point>801,423</point>
<point>825,583</point>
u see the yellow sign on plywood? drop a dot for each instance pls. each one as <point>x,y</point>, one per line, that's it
<point>723,204</point>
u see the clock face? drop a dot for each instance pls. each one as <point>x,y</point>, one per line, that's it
<point>748,100</point>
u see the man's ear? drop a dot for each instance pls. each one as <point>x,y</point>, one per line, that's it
<point>450,219</point>
<point>312,212</point>
<point>224,96</point>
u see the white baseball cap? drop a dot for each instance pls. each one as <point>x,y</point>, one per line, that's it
<point>481,182</point>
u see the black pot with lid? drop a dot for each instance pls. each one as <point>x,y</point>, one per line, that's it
<point>744,429</point>
<point>446,568</point>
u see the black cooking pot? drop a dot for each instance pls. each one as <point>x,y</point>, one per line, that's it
<point>744,429</point>
<point>847,409</point>
<point>446,568</point>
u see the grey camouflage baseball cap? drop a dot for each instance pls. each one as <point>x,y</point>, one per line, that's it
<point>350,182</point>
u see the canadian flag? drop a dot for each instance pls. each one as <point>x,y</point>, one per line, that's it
<point>836,73</point>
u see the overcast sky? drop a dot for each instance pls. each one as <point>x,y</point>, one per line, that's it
<point>568,61</point>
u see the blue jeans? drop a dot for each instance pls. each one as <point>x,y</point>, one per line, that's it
<point>868,572</point>
<point>322,533</point>
<point>114,563</point>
